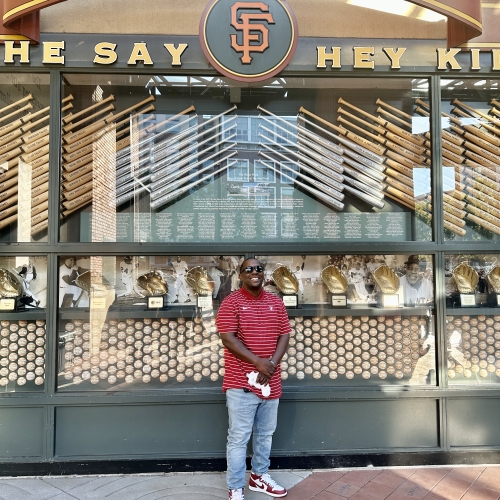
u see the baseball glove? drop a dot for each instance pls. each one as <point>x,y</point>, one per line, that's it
<point>9,285</point>
<point>154,283</point>
<point>334,280</point>
<point>84,281</point>
<point>386,279</point>
<point>494,279</point>
<point>198,279</point>
<point>466,278</point>
<point>285,280</point>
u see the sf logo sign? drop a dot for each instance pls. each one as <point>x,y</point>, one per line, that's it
<point>248,41</point>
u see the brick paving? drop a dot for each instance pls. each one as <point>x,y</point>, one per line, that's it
<point>429,483</point>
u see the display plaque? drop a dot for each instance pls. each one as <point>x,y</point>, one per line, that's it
<point>388,300</point>
<point>7,304</point>
<point>204,301</point>
<point>155,302</point>
<point>468,300</point>
<point>338,299</point>
<point>291,301</point>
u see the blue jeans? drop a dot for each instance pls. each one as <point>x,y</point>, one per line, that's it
<point>247,413</point>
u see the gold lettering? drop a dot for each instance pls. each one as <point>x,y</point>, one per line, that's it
<point>474,56</point>
<point>11,51</point>
<point>495,54</point>
<point>140,53</point>
<point>333,56</point>
<point>362,57</point>
<point>448,57</point>
<point>394,56</point>
<point>105,53</point>
<point>176,52</point>
<point>52,52</point>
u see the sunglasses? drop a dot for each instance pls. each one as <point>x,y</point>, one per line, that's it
<point>250,269</point>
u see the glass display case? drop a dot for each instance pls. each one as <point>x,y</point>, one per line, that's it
<point>199,159</point>
<point>24,156</point>
<point>23,295</point>
<point>471,149</point>
<point>112,337</point>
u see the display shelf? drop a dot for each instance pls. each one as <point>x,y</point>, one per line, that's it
<point>474,311</point>
<point>26,314</point>
<point>139,311</point>
<point>357,310</point>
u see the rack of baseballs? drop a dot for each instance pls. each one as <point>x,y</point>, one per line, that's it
<point>142,351</point>
<point>475,352</point>
<point>22,352</point>
<point>471,146</point>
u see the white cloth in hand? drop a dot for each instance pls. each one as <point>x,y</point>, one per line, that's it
<point>252,380</point>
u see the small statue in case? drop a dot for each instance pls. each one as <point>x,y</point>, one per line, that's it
<point>288,284</point>
<point>466,280</point>
<point>388,282</point>
<point>337,286</point>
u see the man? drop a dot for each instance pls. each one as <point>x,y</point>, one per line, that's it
<point>357,278</point>
<point>416,289</point>
<point>127,269</point>
<point>183,293</point>
<point>68,272</point>
<point>254,328</point>
<point>298,275</point>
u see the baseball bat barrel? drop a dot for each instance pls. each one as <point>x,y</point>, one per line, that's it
<point>16,112</point>
<point>457,102</point>
<point>72,125</point>
<point>88,109</point>
<point>483,223</point>
<point>394,109</point>
<point>487,126</point>
<point>17,103</point>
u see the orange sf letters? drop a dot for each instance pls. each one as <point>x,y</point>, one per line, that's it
<point>252,32</point>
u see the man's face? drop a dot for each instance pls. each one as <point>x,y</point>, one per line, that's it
<point>178,259</point>
<point>69,263</point>
<point>252,281</point>
<point>412,273</point>
<point>298,268</point>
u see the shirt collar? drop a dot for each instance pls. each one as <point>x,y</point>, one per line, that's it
<point>249,296</point>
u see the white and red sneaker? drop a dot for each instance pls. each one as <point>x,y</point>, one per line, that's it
<point>238,494</point>
<point>266,484</point>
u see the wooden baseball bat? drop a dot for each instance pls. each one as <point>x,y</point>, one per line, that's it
<point>17,103</point>
<point>90,129</point>
<point>485,171</point>
<point>480,195</point>
<point>395,118</point>
<point>16,143</point>
<point>483,206</point>
<point>135,106</point>
<point>14,134</point>
<point>8,221</point>
<point>40,161</point>
<point>122,144</point>
<point>401,141</point>
<point>69,176</point>
<point>84,203</point>
<point>8,193</point>
<point>491,157</point>
<point>388,194</point>
<point>36,145</point>
<point>477,138</point>
<point>39,208</point>
<point>485,224</point>
<point>16,112</point>
<point>360,150</point>
<point>390,126</point>
<point>6,129</point>
<point>400,186</point>
<point>73,125</point>
<point>80,162</point>
<point>457,102</point>
<point>30,157</point>
<point>88,109</point>
<point>394,109</point>
<point>86,197</point>
<point>41,179</point>
<point>400,177</point>
<point>448,224</point>
<point>68,158</point>
<point>361,141</point>
<point>78,191</point>
<point>487,126</point>
<point>38,134</point>
<point>33,124</point>
<point>8,211</point>
<point>403,198</point>
<point>453,139</point>
<point>408,172</point>
<point>484,215</point>
<point>68,186</point>
<point>480,159</point>
<point>153,128</point>
<point>14,153</point>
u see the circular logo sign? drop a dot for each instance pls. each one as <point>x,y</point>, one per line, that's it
<point>248,40</point>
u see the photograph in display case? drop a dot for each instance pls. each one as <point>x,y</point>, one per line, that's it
<point>205,170</point>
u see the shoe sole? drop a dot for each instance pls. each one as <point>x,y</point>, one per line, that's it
<point>275,495</point>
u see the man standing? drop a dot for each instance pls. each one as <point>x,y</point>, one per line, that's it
<point>181,268</point>
<point>254,328</point>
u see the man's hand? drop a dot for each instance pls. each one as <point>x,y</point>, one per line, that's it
<point>266,370</point>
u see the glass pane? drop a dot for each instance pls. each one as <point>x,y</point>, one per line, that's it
<point>110,336</point>
<point>23,293</point>
<point>24,157</point>
<point>196,159</point>
<point>471,149</point>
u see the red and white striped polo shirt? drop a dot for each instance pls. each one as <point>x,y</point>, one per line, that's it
<point>258,323</point>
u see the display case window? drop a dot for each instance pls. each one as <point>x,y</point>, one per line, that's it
<point>24,156</point>
<point>471,149</point>
<point>145,162</point>
<point>23,295</point>
<point>115,335</point>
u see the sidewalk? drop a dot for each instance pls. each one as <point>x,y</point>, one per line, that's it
<point>417,483</point>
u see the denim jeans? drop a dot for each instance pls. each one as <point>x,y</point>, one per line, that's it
<point>248,413</point>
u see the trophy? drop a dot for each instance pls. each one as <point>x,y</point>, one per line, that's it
<point>156,288</point>
<point>287,284</point>
<point>197,278</point>
<point>10,291</point>
<point>466,280</point>
<point>337,285</point>
<point>493,279</point>
<point>388,282</point>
